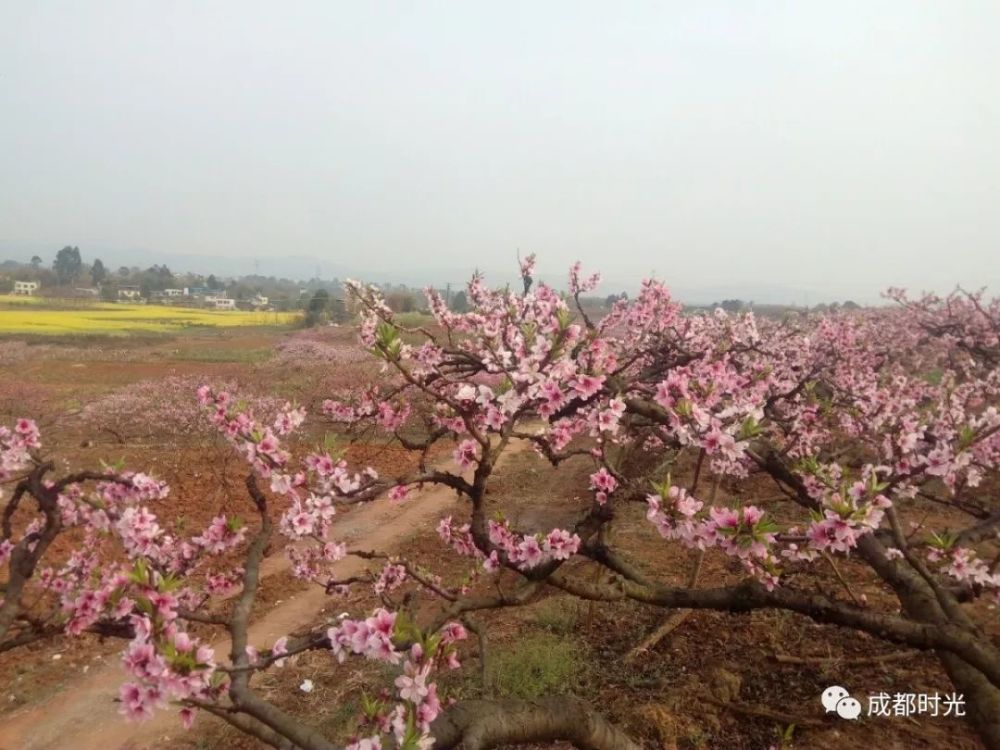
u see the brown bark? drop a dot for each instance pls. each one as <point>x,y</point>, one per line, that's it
<point>926,604</point>
<point>982,699</point>
<point>751,595</point>
<point>480,725</point>
<point>244,700</point>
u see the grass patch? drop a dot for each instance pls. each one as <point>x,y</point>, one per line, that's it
<point>245,356</point>
<point>559,615</point>
<point>341,718</point>
<point>536,665</point>
<point>413,319</point>
<point>135,339</point>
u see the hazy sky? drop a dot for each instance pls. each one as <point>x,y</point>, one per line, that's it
<point>837,147</point>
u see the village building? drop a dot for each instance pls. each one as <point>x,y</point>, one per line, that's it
<point>129,292</point>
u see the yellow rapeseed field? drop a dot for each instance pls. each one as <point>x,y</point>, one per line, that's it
<point>35,315</point>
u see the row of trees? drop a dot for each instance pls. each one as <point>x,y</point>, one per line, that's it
<point>70,269</point>
<point>323,308</point>
<point>739,305</point>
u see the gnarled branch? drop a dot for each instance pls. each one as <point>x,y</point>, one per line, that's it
<point>480,725</point>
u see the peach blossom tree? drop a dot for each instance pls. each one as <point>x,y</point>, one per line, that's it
<point>862,421</point>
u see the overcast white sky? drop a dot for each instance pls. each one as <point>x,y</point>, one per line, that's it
<point>832,147</point>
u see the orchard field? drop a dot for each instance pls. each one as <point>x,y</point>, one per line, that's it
<point>519,525</point>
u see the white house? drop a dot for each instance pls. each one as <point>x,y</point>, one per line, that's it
<point>129,292</point>
<point>27,288</point>
<point>173,292</point>
<point>258,300</point>
<point>223,303</point>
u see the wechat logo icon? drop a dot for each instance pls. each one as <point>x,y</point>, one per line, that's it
<point>836,699</point>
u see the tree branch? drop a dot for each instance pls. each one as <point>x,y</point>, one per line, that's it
<point>480,725</point>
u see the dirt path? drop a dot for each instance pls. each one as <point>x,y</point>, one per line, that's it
<point>84,716</point>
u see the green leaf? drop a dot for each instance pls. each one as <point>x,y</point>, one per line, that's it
<point>663,488</point>
<point>169,583</point>
<point>942,541</point>
<point>965,437</point>
<point>405,629</point>
<point>371,707</point>
<point>749,429</point>
<point>139,573</point>
<point>766,526</point>
<point>809,465</point>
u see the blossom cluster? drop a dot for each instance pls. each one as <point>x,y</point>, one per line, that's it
<point>16,446</point>
<point>375,637</point>
<point>166,664</point>
<point>311,490</point>
<point>744,533</point>
<point>164,406</point>
<point>528,551</point>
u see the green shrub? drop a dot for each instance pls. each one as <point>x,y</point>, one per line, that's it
<point>535,665</point>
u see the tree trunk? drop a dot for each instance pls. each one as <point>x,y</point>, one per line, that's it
<point>919,603</point>
<point>480,725</point>
<point>982,698</point>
